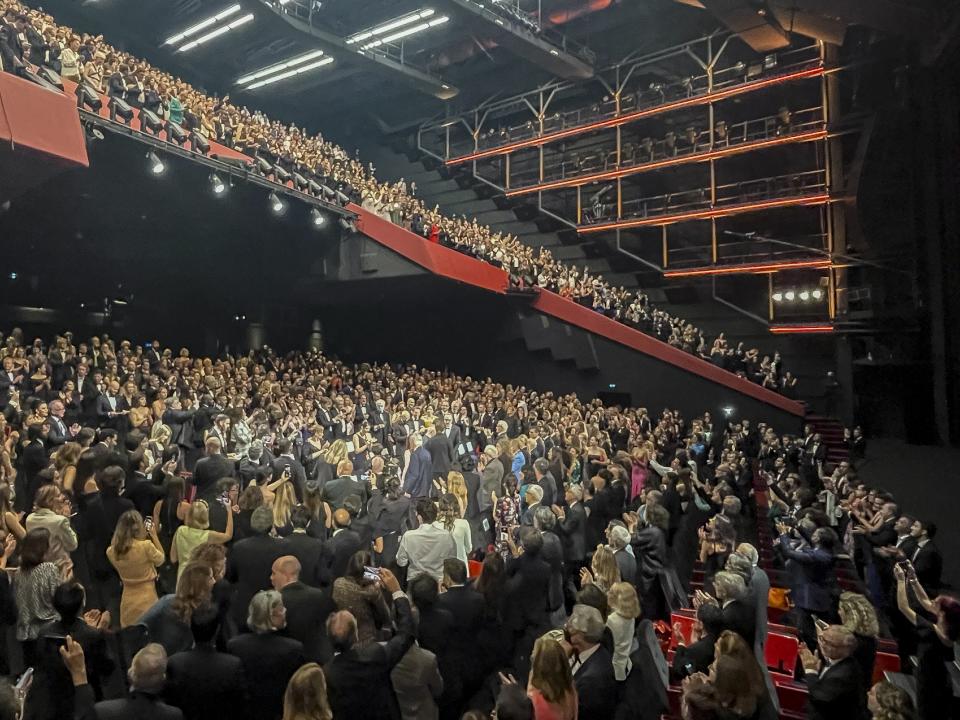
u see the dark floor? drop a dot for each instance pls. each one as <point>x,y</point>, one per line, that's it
<point>922,478</point>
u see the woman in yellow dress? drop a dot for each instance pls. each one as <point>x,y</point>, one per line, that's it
<point>136,553</point>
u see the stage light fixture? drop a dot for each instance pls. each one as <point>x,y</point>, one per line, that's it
<point>276,204</point>
<point>317,218</point>
<point>778,297</point>
<point>150,121</point>
<point>790,295</point>
<point>804,295</point>
<point>817,294</point>
<point>119,108</point>
<point>315,188</point>
<point>263,166</point>
<point>217,185</point>
<point>176,134</point>
<point>300,182</point>
<point>280,174</point>
<point>50,76</point>
<point>157,166</point>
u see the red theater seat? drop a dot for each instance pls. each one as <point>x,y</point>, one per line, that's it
<point>781,652</point>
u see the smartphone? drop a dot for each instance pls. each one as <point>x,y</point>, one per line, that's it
<point>24,682</point>
<point>371,573</point>
<point>821,624</point>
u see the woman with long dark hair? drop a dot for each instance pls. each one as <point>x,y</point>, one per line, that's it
<point>34,583</point>
<point>362,596</point>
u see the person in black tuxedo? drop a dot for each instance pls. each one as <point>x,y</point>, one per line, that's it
<point>338,550</point>
<point>202,682</point>
<point>11,381</point>
<point>307,549</point>
<point>211,468</point>
<point>33,460</point>
<point>250,562</point>
<point>736,612</point>
<point>147,674</point>
<point>139,489</point>
<point>466,608</point>
<point>358,677</point>
<point>343,486</point>
<point>286,461</point>
<point>572,529</point>
<point>307,609</point>
<point>441,453</point>
<point>926,558</point>
<point>269,658</point>
<point>697,655</point>
<point>592,664</point>
<point>603,507</point>
<point>112,409</point>
<point>59,433</point>
<point>835,684</point>
<point>380,424</point>
<point>180,422</point>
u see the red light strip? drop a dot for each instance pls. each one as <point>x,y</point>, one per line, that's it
<point>707,214</point>
<point>801,329</point>
<point>770,267</point>
<point>639,115</point>
<point>670,162</point>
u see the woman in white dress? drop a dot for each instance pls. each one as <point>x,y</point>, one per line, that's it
<point>449,516</point>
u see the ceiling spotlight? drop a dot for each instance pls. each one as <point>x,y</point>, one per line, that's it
<point>804,295</point>
<point>817,294</point>
<point>157,166</point>
<point>790,295</point>
<point>317,218</point>
<point>276,204</point>
<point>778,297</point>
<point>218,186</point>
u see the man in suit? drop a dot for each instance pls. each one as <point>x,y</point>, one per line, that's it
<point>572,529</point>
<point>466,607</point>
<point>812,569</point>
<point>59,432</point>
<point>202,682</point>
<point>417,684</point>
<point>592,664</point>
<point>441,453</point>
<point>491,478</point>
<point>835,685</point>
<point>419,477</point>
<point>336,491</point>
<point>112,408</point>
<point>527,592</point>
<point>250,562</point>
<point>308,550</point>
<point>211,468</point>
<point>358,677</point>
<point>380,423</point>
<point>452,433</point>
<point>472,512</point>
<point>11,381</point>
<point>286,461</point>
<point>269,658</point>
<point>697,655</point>
<point>180,422</point>
<point>926,558</point>
<point>546,481</point>
<point>338,550</point>
<point>86,386</point>
<point>33,461</point>
<point>147,675</point>
<point>307,609</point>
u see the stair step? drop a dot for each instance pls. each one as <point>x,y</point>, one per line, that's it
<point>569,252</point>
<point>454,196</point>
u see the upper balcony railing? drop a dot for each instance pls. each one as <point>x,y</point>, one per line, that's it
<point>445,140</point>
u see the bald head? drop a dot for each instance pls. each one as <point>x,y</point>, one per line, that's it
<point>148,671</point>
<point>341,518</point>
<point>342,630</point>
<point>285,570</point>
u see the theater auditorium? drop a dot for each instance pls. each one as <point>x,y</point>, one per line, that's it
<point>475,359</point>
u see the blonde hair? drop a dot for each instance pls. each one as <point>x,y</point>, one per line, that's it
<point>283,502</point>
<point>306,695</point>
<point>458,487</point>
<point>622,599</point>
<point>336,453</point>
<point>857,615</point>
<point>198,515</point>
<point>606,572</point>
<point>129,528</point>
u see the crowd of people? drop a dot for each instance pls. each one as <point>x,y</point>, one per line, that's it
<point>291,536</point>
<point>32,36</point>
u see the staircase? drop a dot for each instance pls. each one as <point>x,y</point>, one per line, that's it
<point>831,431</point>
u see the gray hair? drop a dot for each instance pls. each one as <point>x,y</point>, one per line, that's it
<point>588,621</point>
<point>729,586</point>
<point>491,451</point>
<point>261,520</point>
<point>544,519</point>
<point>536,491</point>
<point>619,537</point>
<point>741,565</point>
<point>541,466</point>
<point>749,552</point>
<point>260,612</point>
<point>576,491</point>
<point>148,671</point>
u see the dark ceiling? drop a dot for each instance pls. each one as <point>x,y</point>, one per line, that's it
<point>353,89</point>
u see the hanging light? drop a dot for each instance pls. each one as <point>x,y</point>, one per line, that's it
<point>317,218</point>
<point>276,204</point>
<point>217,185</point>
<point>157,166</point>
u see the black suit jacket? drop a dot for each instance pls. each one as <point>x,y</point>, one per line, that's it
<point>358,680</point>
<point>137,706</point>
<point>441,454</point>
<point>573,531</point>
<point>596,686</point>
<point>928,562</point>
<point>297,474</point>
<point>836,693</point>
<point>269,661</point>
<point>528,586</point>
<point>336,552</point>
<point>249,565</point>
<point>206,684</point>
<point>307,612</point>
<point>740,616</point>
<point>309,551</point>
<point>210,469</point>
<point>340,488</point>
